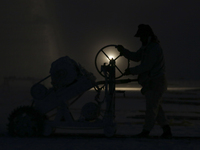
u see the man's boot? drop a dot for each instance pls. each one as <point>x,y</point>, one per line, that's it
<point>143,134</point>
<point>166,132</point>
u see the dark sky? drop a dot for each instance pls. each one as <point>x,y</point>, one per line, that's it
<point>93,24</point>
<point>35,33</point>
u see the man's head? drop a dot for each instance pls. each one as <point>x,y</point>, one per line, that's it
<point>144,32</point>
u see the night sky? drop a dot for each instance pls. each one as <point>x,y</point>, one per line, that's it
<point>34,33</point>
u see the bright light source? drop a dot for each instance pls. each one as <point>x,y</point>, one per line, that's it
<point>111,57</point>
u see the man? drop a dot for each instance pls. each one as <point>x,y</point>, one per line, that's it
<point>151,76</point>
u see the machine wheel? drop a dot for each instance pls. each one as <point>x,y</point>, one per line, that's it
<point>110,130</point>
<point>25,121</point>
<point>90,111</point>
<point>104,51</point>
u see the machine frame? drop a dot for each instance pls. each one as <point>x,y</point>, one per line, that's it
<point>32,120</point>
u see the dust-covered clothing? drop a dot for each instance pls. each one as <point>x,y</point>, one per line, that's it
<point>151,75</point>
<point>152,62</point>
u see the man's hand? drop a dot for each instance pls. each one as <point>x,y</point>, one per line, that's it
<point>127,72</point>
<point>120,48</point>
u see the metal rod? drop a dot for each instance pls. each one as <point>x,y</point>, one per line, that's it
<point>117,57</point>
<point>119,69</point>
<point>105,54</point>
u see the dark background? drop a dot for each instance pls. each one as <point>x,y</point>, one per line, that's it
<point>34,33</point>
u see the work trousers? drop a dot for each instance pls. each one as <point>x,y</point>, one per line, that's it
<point>154,111</point>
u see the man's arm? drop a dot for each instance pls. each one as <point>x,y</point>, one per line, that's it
<point>134,56</point>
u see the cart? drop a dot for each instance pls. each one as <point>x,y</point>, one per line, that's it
<point>33,120</point>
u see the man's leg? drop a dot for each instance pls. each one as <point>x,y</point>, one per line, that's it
<point>153,101</point>
<point>163,122</point>
<point>161,118</point>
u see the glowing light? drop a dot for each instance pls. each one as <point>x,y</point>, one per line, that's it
<point>111,57</point>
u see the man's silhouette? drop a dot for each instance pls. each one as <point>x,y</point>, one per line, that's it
<point>151,75</point>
